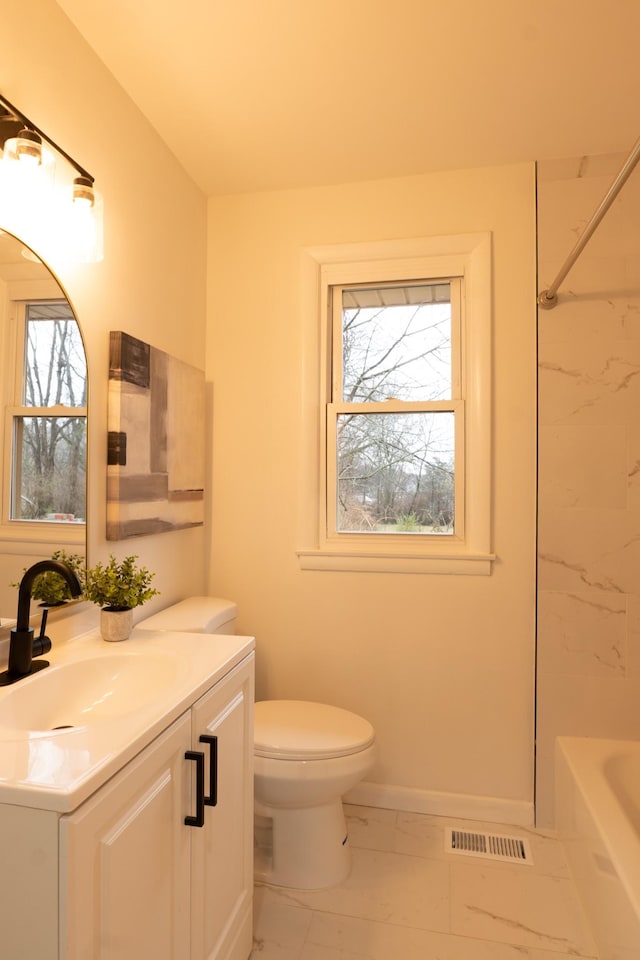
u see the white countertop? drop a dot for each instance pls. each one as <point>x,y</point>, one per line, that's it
<point>58,769</point>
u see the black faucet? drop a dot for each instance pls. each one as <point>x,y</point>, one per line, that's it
<point>22,645</point>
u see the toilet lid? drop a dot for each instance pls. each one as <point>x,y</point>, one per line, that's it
<point>299,730</point>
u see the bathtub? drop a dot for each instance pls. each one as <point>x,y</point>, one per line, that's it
<point>598,821</point>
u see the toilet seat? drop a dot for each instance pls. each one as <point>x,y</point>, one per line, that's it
<point>301,730</point>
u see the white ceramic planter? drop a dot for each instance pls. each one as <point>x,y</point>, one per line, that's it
<point>116,625</point>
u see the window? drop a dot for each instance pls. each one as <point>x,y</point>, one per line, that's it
<point>46,436</point>
<point>395,410</point>
<point>403,383</point>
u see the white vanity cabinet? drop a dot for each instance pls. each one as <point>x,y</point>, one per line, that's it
<point>134,880</point>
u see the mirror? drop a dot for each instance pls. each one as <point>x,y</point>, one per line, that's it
<point>43,428</point>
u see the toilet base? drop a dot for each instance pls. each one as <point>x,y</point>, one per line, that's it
<point>310,847</point>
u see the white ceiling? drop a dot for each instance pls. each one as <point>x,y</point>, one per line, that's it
<point>263,94</point>
<point>14,265</point>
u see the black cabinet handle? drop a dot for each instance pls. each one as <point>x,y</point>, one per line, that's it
<point>198,820</point>
<point>212,799</point>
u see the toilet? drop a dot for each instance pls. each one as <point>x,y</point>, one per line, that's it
<point>306,757</point>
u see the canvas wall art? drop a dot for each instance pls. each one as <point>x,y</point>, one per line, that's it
<point>155,461</point>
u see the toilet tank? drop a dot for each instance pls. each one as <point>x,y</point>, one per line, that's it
<point>195,615</point>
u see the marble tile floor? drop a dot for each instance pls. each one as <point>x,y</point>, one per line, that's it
<point>407,899</point>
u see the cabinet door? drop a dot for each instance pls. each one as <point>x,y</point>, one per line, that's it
<point>222,852</point>
<point>124,860</point>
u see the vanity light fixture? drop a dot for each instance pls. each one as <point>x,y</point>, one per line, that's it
<point>46,198</point>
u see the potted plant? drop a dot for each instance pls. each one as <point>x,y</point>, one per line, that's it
<point>49,587</point>
<point>117,587</point>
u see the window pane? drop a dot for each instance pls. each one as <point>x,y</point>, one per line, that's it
<point>49,480</point>
<point>395,473</point>
<point>55,365</point>
<point>396,342</point>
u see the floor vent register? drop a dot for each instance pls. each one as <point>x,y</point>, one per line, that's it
<point>488,846</point>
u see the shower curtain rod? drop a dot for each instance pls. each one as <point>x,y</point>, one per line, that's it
<point>548,298</point>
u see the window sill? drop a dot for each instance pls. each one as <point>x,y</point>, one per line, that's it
<point>25,536</point>
<point>460,564</point>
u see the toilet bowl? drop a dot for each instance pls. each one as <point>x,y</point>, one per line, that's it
<point>306,757</point>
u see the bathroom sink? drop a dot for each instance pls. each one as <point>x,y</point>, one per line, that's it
<point>85,692</point>
<point>65,730</point>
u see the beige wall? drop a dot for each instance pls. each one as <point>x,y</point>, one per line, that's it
<point>442,665</point>
<point>152,281</point>
<point>589,481</point>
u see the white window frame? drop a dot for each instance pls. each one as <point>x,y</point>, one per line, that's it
<point>467,256</point>
<point>335,406</point>
<point>12,529</point>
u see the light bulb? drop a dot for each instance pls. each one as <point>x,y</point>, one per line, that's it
<point>83,191</point>
<point>29,146</point>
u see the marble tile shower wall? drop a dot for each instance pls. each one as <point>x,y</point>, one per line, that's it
<point>589,465</point>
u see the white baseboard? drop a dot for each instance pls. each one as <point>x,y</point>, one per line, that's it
<point>459,805</point>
